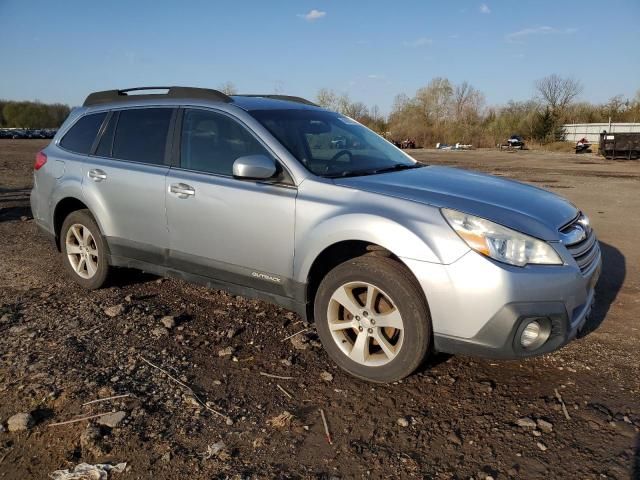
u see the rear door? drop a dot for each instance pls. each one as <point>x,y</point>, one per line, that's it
<point>237,231</point>
<point>124,180</point>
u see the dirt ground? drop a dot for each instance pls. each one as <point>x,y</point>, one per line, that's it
<point>456,417</point>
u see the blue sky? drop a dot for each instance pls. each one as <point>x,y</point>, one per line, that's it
<point>373,50</point>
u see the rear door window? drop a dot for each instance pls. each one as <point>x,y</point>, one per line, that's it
<point>81,136</point>
<point>141,135</point>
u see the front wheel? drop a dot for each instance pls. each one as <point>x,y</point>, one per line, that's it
<point>373,319</point>
<point>84,250</point>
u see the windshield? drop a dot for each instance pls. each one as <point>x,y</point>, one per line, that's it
<point>332,145</point>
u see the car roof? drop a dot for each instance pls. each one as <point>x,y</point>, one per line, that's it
<point>258,102</point>
<point>176,95</point>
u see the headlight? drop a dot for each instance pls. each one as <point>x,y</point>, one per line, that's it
<point>500,243</point>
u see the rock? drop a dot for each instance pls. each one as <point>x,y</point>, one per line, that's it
<point>546,427</point>
<point>526,422</point>
<point>217,449</point>
<point>625,429</point>
<point>112,419</point>
<point>454,438</point>
<point>114,310</point>
<point>403,422</point>
<point>541,446</point>
<point>326,376</point>
<point>232,332</point>
<point>225,352</point>
<point>168,321</point>
<point>91,441</point>
<point>159,332</point>
<point>20,422</point>
<point>300,342</point>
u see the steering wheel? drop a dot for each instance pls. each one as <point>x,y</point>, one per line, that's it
<point>332,161</point>
<point>340,153</point>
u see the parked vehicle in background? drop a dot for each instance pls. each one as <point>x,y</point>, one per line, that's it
<point>583,145</point>
<point>514,142</point>
<point>392,259</point>
<point>20,133</point>
<point>620,145</point>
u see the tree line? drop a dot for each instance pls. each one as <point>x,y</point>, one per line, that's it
<point>32,114</point>
<point>441,111</point>
<point>445,112</point>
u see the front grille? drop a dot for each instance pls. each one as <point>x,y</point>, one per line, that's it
<point>584,249</point>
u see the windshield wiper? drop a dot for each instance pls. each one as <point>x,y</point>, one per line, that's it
<point>397,167</point>
<point>374,171</point>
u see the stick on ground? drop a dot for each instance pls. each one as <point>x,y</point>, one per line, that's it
<point>297,333</point>
<point>106,399</point>
<point>326,427</point>
<point>564,407</point>
<point>75,420</point>
<point>264,374</point>
<point>188,388</point>
<point>285,392</point>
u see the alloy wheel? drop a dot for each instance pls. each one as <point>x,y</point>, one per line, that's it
<point>365,323</point>
<point>82,250</point>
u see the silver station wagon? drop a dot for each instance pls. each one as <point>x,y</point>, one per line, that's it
<point>273,197</point>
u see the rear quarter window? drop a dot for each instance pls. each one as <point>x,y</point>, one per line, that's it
<point>82,134</point>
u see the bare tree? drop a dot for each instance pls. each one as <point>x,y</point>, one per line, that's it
<point>327,98</point>
<point>467,102</point>
<point>228,88</point>
<point>558,92</point>
<point>356,110</point>
<point>435,99</point>
<point>374,113</point>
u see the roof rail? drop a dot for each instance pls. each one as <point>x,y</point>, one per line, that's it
<point>108,96</point>
<point>288,98</point>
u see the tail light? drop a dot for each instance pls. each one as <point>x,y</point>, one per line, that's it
<point>41,159</point>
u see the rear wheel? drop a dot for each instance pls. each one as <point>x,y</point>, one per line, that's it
<point>84,250</point>
<point>372,318</point>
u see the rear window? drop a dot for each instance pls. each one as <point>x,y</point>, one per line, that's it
<point>141,135</point>
<point>83,133</point>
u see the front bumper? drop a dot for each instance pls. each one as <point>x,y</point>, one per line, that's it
<point>480,307</point>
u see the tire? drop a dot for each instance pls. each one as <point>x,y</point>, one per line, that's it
<point>84,253</point>
<point>395,293</point>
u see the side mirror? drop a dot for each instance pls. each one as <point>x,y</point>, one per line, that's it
<point>254,167</point>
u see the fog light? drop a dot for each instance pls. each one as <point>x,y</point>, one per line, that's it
<point>530,334</point>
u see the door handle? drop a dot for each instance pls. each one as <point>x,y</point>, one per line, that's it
<point>97,175</point>
<point>182,190</point>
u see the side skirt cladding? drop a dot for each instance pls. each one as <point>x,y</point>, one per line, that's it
<point>236,280</point>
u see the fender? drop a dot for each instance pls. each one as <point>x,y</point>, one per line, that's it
<point>71,188</point>
<point>399,239</point>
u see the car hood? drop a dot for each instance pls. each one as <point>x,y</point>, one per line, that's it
<point>516,205</point>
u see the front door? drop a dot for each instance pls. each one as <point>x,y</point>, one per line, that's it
<point>236,231</point>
